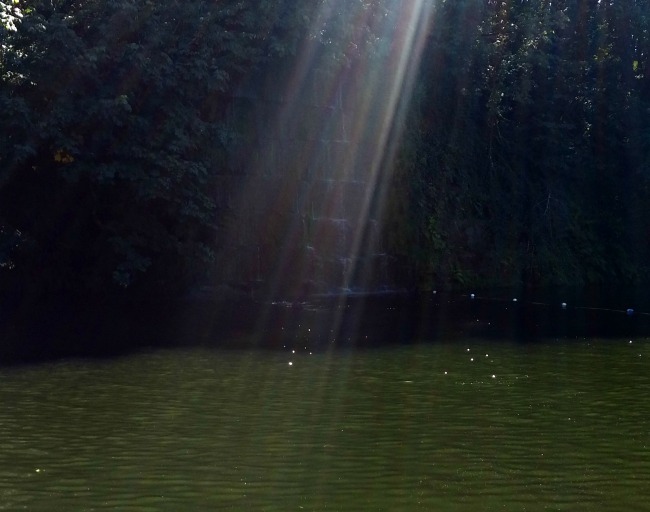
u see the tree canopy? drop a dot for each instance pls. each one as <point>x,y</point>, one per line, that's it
<point>114,127</point>
<point>112,131</point>
<point>525,156</point>
<point>528,149</point>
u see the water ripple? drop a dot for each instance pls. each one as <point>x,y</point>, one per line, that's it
<point>557,428</point>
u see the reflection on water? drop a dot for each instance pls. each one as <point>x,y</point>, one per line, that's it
<point>474,426</point>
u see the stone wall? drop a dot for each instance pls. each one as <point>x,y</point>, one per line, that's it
<point>299,189</point>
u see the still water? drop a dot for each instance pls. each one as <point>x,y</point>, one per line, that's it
<point>471,426</point>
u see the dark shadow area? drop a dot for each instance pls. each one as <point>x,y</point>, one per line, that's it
<point>110,326</point>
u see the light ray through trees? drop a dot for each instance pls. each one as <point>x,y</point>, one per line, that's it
<point>366,55</point>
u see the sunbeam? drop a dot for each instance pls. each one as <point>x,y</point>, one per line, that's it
<point>320,151</point>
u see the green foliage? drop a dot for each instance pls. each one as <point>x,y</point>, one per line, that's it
<point>112,127</point>
<point>10,14</point>
<point>525,154</point>
<point>526,146</point>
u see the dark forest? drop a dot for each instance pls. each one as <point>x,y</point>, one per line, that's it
<point>522,159</point>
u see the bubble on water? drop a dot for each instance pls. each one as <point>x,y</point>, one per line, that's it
<point>494,376</point>
<point>290,363</point>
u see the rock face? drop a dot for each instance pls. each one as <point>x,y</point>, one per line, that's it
<point>305,182</point>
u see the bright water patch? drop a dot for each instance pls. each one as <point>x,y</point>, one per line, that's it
<point>463,426</point>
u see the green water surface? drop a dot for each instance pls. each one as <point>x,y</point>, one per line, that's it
<point>463,426</point>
